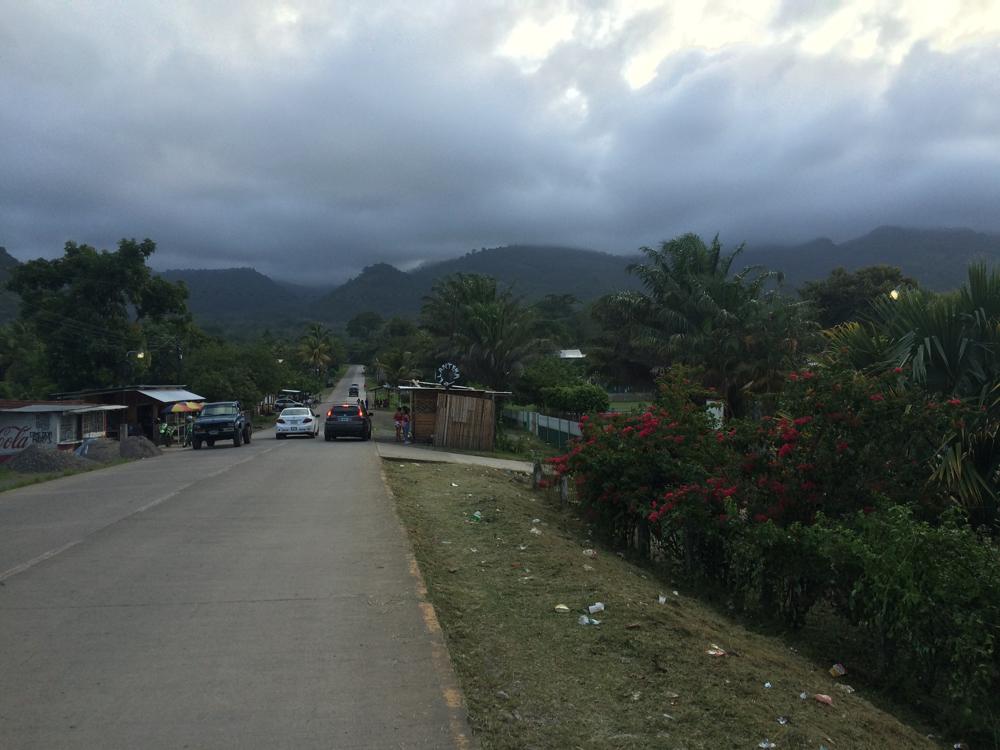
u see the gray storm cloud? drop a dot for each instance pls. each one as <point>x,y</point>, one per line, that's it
<point>311,147</point>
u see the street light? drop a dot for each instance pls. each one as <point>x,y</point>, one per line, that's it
<point>894,294</point>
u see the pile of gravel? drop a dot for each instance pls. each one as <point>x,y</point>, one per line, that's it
<point>36,459</point>
<point>138,446</point>
<point>102,450</point>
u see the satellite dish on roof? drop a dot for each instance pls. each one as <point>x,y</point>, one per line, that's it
<point>448,374</point>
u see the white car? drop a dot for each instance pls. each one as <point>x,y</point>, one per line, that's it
<point>296,420</point>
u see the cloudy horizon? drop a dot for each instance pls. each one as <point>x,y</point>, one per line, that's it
<point>309,139</point>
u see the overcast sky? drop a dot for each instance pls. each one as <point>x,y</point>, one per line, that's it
<point>310,138</point>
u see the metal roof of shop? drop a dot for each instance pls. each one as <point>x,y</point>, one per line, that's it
<point>167,396</point>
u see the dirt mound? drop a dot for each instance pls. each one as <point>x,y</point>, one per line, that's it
<point>101,450</point>
<point>138,447</point>
<point>36,459</point>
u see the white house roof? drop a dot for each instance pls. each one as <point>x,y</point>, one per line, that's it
<point>571,354</point>
<point>169,396</point>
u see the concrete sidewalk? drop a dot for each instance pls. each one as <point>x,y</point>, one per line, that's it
<point>409,452</point>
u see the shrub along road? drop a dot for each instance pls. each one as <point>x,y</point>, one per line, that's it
<point>260,596</point>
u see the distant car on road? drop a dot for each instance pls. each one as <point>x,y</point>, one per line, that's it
<point>284,402</point>
<point>347,420</point>
<point>221,420</point>
<point>354,390</point>
<point>295,421</point>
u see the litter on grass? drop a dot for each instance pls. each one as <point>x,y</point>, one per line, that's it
<point>633,626</point>
<point>766,744</point>
<point>838,670</point>
<point>662,598</point>
<point>783,720</point>
<point>587,620</point>
<point>454,485</point>
<point>767,685</point>
<point>845,687</point>
<point>715,650</point>
<point>536,520</point>
<point>589,553</point>
<point>803,696</point>
<point>536,531</point>
<point>826,700</point>
<point>588,567</point>
<point>562,608</point>
<point>595,608</point>
<point>476,517</point>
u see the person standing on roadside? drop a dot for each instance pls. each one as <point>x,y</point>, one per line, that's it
<point>406,424</point>
<point>397,420</point>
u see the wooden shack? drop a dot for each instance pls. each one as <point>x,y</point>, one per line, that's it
<point>456,417</point>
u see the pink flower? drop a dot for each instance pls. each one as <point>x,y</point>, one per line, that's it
<point>785,450</point>
<point>877,397</point>
<point>954,402</point>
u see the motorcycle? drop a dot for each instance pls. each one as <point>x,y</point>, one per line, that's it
<point>167,434</point>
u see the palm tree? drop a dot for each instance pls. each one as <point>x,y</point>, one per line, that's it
<point>487,332</point>
<point>316,349</point>
<point>737,328</point>
<point>948,344</point>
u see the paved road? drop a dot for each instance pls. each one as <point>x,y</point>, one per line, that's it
<point>253,597</point>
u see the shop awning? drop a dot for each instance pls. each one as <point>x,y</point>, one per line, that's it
<point>166,396</point>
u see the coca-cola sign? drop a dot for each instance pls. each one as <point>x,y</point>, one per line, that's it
<point>14,438</point>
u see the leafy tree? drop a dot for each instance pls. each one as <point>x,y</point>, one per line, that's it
<point>89,307</point>
<point>365,326</point>
<point>22,363</point>
<point>845,295</point>
<point>546,372</point>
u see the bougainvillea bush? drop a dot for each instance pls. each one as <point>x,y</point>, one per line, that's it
<point>795,508</point>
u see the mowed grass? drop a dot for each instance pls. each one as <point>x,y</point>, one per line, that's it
<point>534,678</point>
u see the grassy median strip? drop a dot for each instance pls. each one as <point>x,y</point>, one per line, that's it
<point>498,557</point>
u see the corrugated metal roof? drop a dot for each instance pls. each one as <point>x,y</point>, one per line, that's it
<point>166,396</point>
<point>102,407</point>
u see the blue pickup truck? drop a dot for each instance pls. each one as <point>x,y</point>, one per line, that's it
<point>221,420</point>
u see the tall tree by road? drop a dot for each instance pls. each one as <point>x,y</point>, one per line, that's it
<point>737,327</point>
<point>89,308</point>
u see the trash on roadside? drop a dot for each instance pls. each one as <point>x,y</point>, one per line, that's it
<point>845,687</point>
<point>536,531</point>
<point>803,696</point>
<point>676,594</point>
<point>562,608</point>
<point>454,485</point>
<point>783,720</point>
<point>587,620</point>
<point>522,547</point>
<point>473,549</point>
<point>668,716</point>
<point>445,541</point>
<point>671,695</point>
<point>589,553</point>
<point>595,608</point>
<point>588,567</point>
<point>766,744</point>
<point>636,695</point>
<point>715,650</point>
<point>960,746</point>
<point>662,599</point>
<point>767,685</point>
<point>824,699</point>
<point>536,520</point>
<point>476,517</point>
<point>452,570</point>
<point>838,670</point>
<point>633,626</point>
<point>515,565</point>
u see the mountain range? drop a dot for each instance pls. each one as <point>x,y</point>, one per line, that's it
<point>239,301</point>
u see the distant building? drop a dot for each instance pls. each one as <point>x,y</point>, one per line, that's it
<point>571,354</point>
<point>55,424</point>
